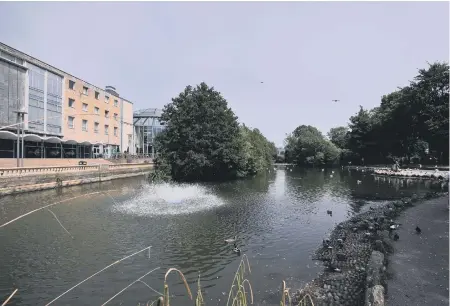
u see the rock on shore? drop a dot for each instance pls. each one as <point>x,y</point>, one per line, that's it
<point>346,254</point>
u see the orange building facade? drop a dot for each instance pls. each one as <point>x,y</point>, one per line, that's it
<point>65,116</point>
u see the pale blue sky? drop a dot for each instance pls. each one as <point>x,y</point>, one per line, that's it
<point>305,53</point>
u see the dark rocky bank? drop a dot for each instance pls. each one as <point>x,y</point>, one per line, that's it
<point>355,258</point>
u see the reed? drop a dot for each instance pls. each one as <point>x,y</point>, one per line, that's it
<point>240,293</point>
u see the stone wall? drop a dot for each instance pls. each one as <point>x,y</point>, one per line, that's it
<point>375,280</point>
<point>18,180</point>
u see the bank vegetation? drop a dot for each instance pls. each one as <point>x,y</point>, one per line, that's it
<point>411,125</point>
<point>203,140</point>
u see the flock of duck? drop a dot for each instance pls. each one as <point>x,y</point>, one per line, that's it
<point>436,174</point>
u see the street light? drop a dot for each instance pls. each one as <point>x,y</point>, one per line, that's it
<point>21,120</point>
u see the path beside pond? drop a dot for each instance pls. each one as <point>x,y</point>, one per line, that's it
<point>420,263</point>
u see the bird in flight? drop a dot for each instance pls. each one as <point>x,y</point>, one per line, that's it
<point>262,82</point>
<point>335,100</point>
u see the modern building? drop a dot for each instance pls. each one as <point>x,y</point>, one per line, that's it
<point>147,125</point>
<point>65,116</point>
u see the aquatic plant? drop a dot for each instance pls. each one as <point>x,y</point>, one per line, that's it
<point>240,293</point>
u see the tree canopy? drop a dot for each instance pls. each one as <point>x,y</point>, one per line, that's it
<point>306,146</point>
<point>407,123</point>
<point>204,141</point>
<point>338,136</point>
<point>410,124</point>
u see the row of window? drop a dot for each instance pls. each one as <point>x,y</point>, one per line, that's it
<point>97,94</point>
<point>84,126</point>
<point>96,109</point>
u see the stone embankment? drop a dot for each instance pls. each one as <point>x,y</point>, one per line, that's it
<point>355,258</point>
<point>18,180</point>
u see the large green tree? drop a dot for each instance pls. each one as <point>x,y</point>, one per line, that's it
<point>306,146</point>
<point>201,140</point>
<point>204,141</point>
<point>258,152</point>
<point>338,136</point>
<point>408,122</point>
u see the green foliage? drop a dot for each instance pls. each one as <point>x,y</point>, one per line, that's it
<point>306,146</point>
<point>408,121</point>
<point>338,136</point>
<point>257,151</point>
<point>204,141</point>
<point>161,171</point>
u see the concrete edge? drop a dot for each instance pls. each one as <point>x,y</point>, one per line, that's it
<point>37,187</point>
<point>376,269</point>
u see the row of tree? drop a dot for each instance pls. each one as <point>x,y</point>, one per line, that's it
<point>411,125</point>
<point>204,141</point>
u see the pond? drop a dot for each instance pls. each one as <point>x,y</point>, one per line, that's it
<point>279,219</point>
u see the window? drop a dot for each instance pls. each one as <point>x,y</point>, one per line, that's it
<point>106,129</point>
<point>84,125</point>
<point>70,122</point>
<point>115,116</point>
<point>106,114</point>
<point>115,131</point>
<point>96,110</point>
<point>85,107</point>
<point>106,99</point>
<point>71,84</point>
<point>116,103</point>
<point>85,90</point>
<point>96,124</point>
<point>97,95</point>
<point>71,103</point>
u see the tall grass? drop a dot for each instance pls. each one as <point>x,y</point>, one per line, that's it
<point>240,293</point>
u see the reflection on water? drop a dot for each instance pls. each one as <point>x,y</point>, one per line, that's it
<point>279,219</point>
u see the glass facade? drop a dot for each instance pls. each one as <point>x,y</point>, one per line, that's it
<point>147,125</point>
<point>43,99</point>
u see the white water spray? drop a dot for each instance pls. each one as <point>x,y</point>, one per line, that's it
<point>170,199</point>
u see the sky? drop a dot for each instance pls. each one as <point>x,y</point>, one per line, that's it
<point>306,53</point>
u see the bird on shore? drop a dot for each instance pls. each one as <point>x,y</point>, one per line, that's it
<point>331,267</point>
<point>236,249</point>
<point>394,227</point>
<point>396,237</point>
<point>418,230</point>
<point>331,175</point>
<point>358,182</point>
<point>323,170</point>
<point>332,171</point>
<point>329,212</point>
<point>326,244</point>
<point>231,240</point>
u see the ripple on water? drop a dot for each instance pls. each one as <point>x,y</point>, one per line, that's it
<point>170,199</point>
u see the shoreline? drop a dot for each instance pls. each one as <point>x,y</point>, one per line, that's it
<point>427,173</point>
<point>360,249</point>
<point>21,180</point>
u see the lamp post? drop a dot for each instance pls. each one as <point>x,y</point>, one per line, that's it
<point>21,121</point>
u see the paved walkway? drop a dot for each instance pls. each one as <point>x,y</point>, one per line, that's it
<point>420,262</point>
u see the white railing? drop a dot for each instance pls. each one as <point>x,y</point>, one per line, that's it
<point>42,170</point>
<point>4,172</point>
<point>123,166</point>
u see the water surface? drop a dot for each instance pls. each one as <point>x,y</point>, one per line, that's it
<point>279,218</point>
